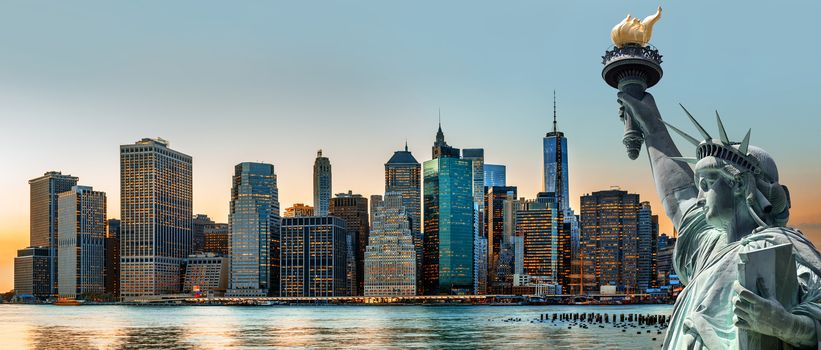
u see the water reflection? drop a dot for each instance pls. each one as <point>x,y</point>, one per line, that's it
<point>204,327</point>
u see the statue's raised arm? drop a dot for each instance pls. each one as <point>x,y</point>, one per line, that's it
<point>674,180</point>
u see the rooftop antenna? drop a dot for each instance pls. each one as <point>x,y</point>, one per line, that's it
<point>406,144</point>
<point>554,111</point>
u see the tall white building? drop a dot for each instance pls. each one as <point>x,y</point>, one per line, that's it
<point>155,204</point>
<point>390,258</point>
<point>322,184</point>
<point>81,217</point>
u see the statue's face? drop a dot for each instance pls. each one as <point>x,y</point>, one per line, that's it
<point>720,196</point>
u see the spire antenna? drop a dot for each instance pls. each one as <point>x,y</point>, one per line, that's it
<point>406,145</point>
<point>554,111</point>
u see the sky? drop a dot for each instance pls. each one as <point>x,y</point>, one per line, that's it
<point>227,82</point>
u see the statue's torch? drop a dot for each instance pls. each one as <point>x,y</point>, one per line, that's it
<point>632,66</point>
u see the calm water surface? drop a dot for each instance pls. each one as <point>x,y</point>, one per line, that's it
<point>382,327</point>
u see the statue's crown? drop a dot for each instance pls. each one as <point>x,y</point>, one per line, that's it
<point>735,153</point>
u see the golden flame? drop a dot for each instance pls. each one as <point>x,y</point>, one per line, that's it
<point>631,31</point>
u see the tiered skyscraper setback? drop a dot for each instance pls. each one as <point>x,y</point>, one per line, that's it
<point>390,258</point>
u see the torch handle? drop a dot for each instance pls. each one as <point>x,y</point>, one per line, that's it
<point>633,137</point>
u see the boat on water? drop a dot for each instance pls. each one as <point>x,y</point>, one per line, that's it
<point>67,302</point>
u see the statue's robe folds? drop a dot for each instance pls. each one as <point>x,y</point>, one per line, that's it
<point>708,266</point>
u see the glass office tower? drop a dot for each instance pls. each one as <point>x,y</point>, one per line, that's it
<point>448,222</point>
<point>254,224</point>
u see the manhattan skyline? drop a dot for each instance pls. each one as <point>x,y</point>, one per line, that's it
<point>274,84</point>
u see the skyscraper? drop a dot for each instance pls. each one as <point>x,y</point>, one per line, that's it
<point>322,184</point>
<point>353,208</point>
<point>216,237</point>
<point>555,163</point>
<point>447,265</point>
<point>609,240</point>
<point>390,258</point>
<point>500,246</point>
<point>112,258</point>
<point>546,242</point>
<point>155,227</point>
<point>254,221</point>
<point>200,222</point>
<point>82,230</point>
<point>495,175</point>
<point>647,247</point>
<point>403,175</point>
<point>313,257</point>
<point>32,267</point>
<point>43,217</point>
<point>477,158</point>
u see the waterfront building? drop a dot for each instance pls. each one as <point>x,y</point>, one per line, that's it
<point>81,225</point>
<point>216,237</point>
<point>390,257</point>
<point>313,257</point>
<point>546,239</point>
<point>43,230</point>
<point>403,174</point>
<point>647,247</point>
<point>112,258</point>
<point>206,274</point>
<point>254,223</point>
<point>32,268</point>
<point>477,158</point>
<point>495,175</point>
<point>156,212</point>
<point>299,210</point>
<point>199,223</point>
<point>447,265</point>
<point>500,245</point>
<point>353,208</point>
<point>609,240</point>
<point>322,184</point>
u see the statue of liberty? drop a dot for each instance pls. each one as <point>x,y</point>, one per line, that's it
<point>729,204</point>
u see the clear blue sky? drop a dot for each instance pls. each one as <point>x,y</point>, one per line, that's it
<point>275,81</point>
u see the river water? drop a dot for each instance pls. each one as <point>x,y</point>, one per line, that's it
<point>377,327</point>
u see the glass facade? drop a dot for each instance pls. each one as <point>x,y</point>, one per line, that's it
<point>449,229</point>
<point>609,240</point>
<point>648,231</point>
<point>477,158</point>
<point>390,258</point>
<point>322,184</point>
<point>555,167</point>
<point>313,256</point>
<point>82,227</point>
<point>495,175</point>
<point>500,244</point>
<point>156,198</point>
<point>31,273</point>
<point>43,217</point>
<point>254,224</point>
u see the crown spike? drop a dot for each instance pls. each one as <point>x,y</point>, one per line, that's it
<point>685,159</point>
<point>682,133</point>
<point>745,143</point>
<point>722,133</point>
<point>701,130</point>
